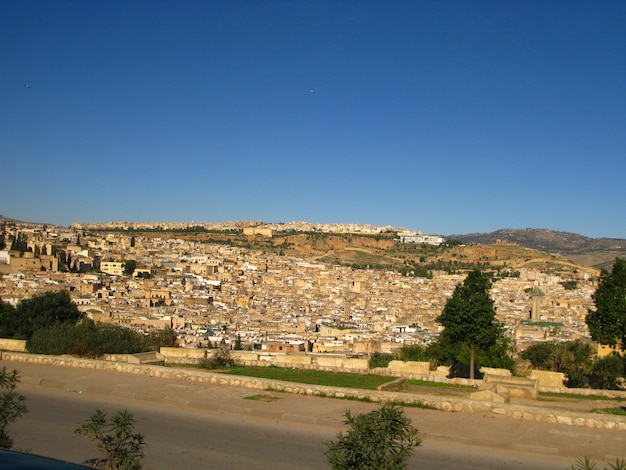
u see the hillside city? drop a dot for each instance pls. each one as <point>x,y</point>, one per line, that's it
<point>218,294</point>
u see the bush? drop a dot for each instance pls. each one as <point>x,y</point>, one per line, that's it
<point>220,359</point>
<point>413,353</point>
<point>40,311</point>
<point>87,339</point>
<point>609,366</point>
<point>605,373</point>
<point>540,355</point>
<point>572,358</point>
<point>588,464</point>
<point>378,359</point>
<point>122,448</point>
<point>165,338</point>
<point>381,440</point>
<point>12,405</point>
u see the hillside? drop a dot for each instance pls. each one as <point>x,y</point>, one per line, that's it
<point>384,252</point>
<point>596,252</point>
<point>552,249</point>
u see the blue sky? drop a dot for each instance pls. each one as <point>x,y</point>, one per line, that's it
<point>448,117</point>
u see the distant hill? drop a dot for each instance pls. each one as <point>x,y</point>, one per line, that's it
<point>596,252</point>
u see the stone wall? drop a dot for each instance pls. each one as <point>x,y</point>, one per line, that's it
<point>444,403</point>
<point>330,362</point>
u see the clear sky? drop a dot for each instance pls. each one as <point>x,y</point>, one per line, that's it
<point>448,117</point>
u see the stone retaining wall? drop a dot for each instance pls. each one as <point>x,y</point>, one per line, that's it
<point>525,412</point>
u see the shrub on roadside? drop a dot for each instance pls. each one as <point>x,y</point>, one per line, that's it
<point>220,359</point>
<point>383,439</point>
<point>122,449</point>
<point>12,405</point>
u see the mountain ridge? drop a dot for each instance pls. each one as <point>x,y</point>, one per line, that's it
<point>597,252</point>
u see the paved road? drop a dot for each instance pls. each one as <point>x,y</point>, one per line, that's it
<point>190,425</point>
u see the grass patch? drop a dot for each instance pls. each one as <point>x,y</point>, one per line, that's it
<point>548,395</point>
<point>262,397</point>
<point>311,377</point>
<point>621,411</point>
<point>426,383</point>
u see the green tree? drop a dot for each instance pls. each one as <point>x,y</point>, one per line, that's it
<point>8,320</point>
<point>378,359</point>
<point>40,311</point>
<point>163,338</point>
<point>121,446</point>
<point>541,355</point>
<point>469,317</point>
<point>607,323</point>
<point>383,439</point>
<point>574,359</point>
<point>89,339</point>
<point>413,352</point>
<point>238,346</point>
<point>129,267</point>
<point>220,359</point>
<point>12,405</point>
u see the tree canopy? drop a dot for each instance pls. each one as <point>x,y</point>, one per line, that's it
<point>469,317</point>
<point>40,311</point>
<point>129,267</point>
<point>607,323</point>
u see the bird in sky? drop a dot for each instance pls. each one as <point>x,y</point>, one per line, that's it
<point>26,85</point>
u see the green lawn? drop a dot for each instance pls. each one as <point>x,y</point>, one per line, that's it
<point>621,411</point>
<point>312,377</point>
<point>426,383</point>
<point>547,395</point>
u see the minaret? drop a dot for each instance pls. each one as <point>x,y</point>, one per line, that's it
<point>535,313</point>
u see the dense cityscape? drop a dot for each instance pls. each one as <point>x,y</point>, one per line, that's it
<point>219,294</point>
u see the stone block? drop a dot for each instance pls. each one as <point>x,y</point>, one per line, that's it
<point>329,361</point>
<point>493,371</point>
<point>491,396</point>
<point>512,386</point>
<point>548,379</point>
<point>17,345</point>
<point>244,356</point>
<point>356,364</point>
<point>409,367</point>
<point>289,360</point>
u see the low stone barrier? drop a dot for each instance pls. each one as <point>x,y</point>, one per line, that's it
<point>17,345</point>
<point>439,402</point>
<point>409,367</point>
<point>548,379</point>
<point>503,386</point>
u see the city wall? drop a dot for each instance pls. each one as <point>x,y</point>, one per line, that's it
<point>440,402</point>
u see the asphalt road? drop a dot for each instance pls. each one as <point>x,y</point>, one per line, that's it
<point>188,423</point>
<point>193,425</point>
<point>194,439</point>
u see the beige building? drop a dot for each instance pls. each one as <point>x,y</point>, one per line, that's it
<point>114,268</point>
